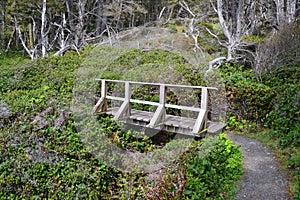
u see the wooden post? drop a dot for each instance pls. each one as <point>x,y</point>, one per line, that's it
<point>202,116</point>
<point>204,105</point>
<point>124,110</point>
<point>204,98</point>
<point>102,103</point>
<point>128,97</point>
<point>103,88</point>
<point>162,94</point>
<point>160,113</point>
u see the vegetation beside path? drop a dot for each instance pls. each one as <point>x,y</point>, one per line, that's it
<point>268,111</point>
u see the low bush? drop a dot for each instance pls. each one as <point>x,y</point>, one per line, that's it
<point>208,171</point>
<point>212,175</point>
<point>248,98</point>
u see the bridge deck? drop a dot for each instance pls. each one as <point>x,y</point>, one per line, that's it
<point>171,123</point>
<point>170,120</point>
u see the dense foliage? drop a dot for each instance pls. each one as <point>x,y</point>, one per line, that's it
<point>42,155</point>
<point>272,102</point>
<point>220,167</point>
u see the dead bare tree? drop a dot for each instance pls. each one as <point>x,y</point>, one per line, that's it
<point>44,42</point>
<point>285,11</point>
<point>3,24</point>
<point>280,50</point>
<point>235,27</point>
<point>192,30</point>
<point>31,52</point>
<point>36,42</point>
<point>63,36</point>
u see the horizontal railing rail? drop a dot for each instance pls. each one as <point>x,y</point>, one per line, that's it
<point>157,84</point>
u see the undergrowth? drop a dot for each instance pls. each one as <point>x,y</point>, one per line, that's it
<point>42,155</point>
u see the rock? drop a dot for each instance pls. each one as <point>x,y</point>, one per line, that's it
<point>4,111</point>
<point>62,120</point>
<point>40,120</point>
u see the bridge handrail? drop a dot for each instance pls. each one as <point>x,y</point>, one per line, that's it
<point>160,112</point>
<point>157,84</point>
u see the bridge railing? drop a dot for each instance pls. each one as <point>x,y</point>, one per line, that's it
<point>160,113</point>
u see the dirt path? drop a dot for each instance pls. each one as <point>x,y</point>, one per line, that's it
<point>263,179</point>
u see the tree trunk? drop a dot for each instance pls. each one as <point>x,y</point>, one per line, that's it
<point>80,32</point>
<point>3,24</point>
<point>291,10</point>
<point>100,20</point>
<point>31,53</point>
<point>280,12</point>
<point>43,27</point>
<point>222,21</point>
<point>70,11</point>
<point>30,33</point>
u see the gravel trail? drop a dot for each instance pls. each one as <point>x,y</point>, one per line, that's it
<point>263,179</point>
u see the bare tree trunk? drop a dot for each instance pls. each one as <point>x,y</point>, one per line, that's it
<point>222,21</point>
<point>43,27</point>
<point>64,25</point>
<point>280,12</point>
<point>100,24</point>
<point>3,24</point>
<point>31,53</point>
<point>70,11</point>
<point>291,9</point>
<point>30,33</point>
<point>192,29</point>
<point>79,29</point>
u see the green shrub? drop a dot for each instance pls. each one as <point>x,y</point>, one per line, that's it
<point>285,115</point>
<point>212,176</point>
<point>249,99</point>
<point>208,171</point>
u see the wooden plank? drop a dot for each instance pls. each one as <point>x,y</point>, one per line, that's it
<point>156,104</point>
<point>112,111</point>
<point>141,115</point>
<point>144,102</point>
<point>183,107</point>
<point>115,98</point>
<point>182,122</point>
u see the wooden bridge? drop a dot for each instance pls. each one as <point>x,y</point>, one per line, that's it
<point>159,119</point>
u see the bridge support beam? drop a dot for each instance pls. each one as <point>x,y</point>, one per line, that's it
<point>202,116</point>
<point>160,113</point>
<point>124,110</point>
<point>101,105</point>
